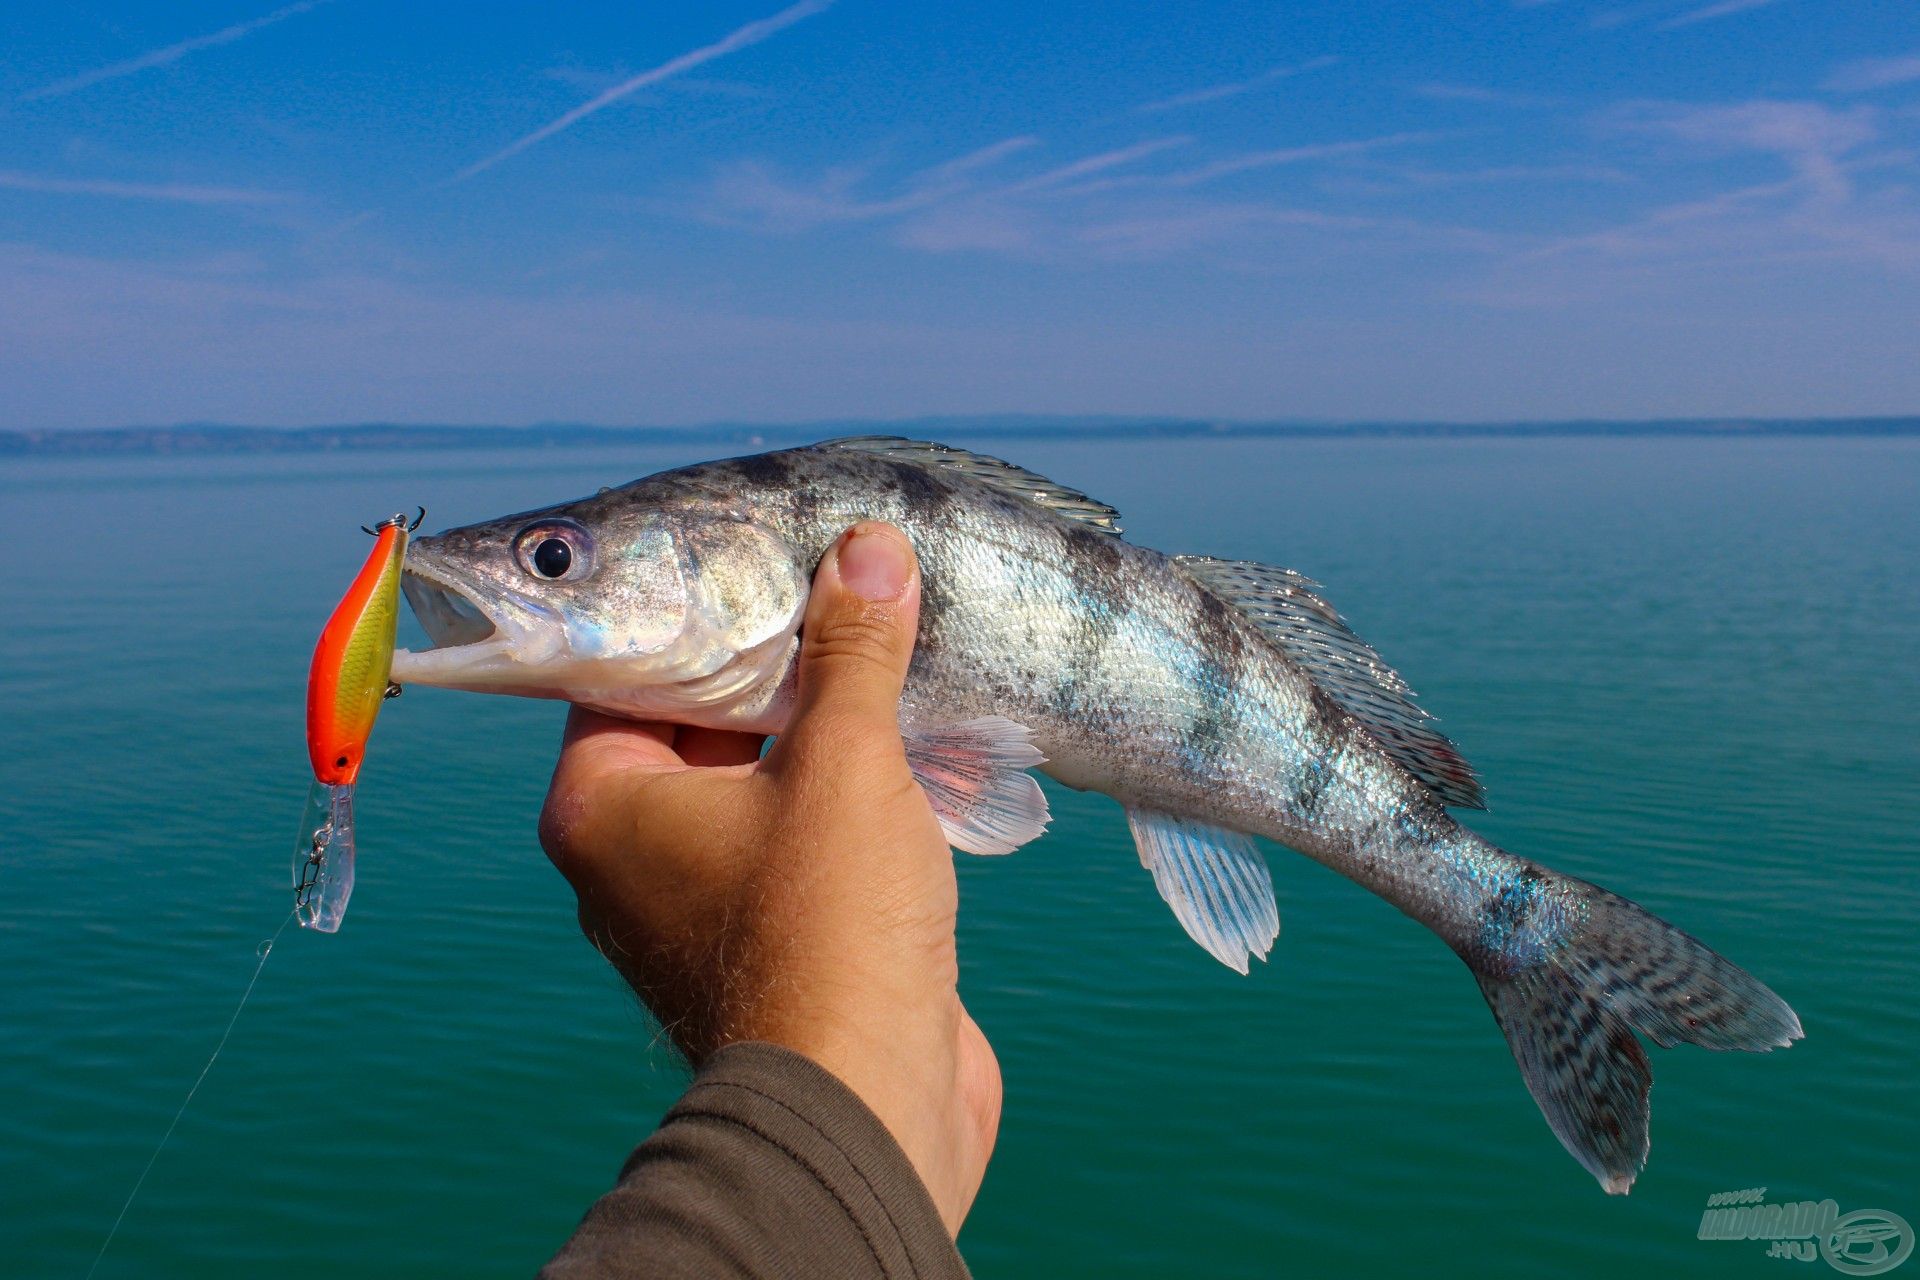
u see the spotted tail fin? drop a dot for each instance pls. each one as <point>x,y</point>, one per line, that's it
<point>1570,1016</point>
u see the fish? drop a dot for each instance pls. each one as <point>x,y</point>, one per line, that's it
<point>347,683</point>
<point>1218,701</point>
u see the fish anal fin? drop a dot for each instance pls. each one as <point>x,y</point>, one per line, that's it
<point>1288,610</point>
<point>1216,882</point>
<point>974,774</point>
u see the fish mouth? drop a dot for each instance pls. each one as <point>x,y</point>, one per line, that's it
<point>479,634</point>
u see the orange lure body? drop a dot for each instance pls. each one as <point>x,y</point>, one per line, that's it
<point>348,680</point>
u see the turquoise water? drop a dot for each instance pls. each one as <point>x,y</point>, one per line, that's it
<point>1685,669</point>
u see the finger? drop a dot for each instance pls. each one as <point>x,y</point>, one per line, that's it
<point>857,638</point>
<point>603,766</point>
<point>605,744</point>
<point>709,748</point>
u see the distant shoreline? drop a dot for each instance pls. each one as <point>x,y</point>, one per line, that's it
<point>367,437</point>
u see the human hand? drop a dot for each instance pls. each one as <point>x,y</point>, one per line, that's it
<point>807,898</point>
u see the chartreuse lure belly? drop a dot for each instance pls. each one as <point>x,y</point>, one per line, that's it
<point>345,688</point>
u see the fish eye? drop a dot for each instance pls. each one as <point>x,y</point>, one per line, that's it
<point>552,558</point>
<point>555,550</point>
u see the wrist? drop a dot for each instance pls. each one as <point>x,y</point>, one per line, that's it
<point>908,1076</point>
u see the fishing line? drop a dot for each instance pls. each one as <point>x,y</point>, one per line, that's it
<point>265,949</point>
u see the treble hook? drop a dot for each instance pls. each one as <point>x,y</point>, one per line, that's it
<point>310,870</point>
<point>398,518</point>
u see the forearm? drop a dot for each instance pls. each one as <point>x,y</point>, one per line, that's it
<point>767,1166</point>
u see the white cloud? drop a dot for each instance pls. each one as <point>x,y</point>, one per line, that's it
<point>91,341</point>
<point>1822,213</point>
<point>1869,74</point>
<point>1444,92</point>
<point>977,227</point>
<point>1783,127</point>
<point>172,192</point>
<point>1385,179</point>
<point>750,193</point>
<point>1084,208</point>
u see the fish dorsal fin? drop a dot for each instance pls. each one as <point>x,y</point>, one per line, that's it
<point>1282,603</point>
<point>992,472</point>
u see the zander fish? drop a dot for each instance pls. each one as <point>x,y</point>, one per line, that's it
<point>1216,700</point>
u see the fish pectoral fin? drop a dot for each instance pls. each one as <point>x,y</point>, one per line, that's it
<point>1215,881</point>
<point>975,775</point>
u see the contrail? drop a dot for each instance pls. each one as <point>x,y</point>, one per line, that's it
<point>1215,92</point>
<point>172,53</point>
<point>752,33</point>
<point>1712,11</point>
<point>1291,155</point>
<point>979,159</point>
<point>1095,164</point>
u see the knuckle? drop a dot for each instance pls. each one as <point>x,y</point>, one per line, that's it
<point>593,811</point>
<point>559,818</point>
<point>856,639</point>
<point>841,743</point>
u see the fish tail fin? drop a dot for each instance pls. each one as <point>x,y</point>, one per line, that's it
<point>1570,1009</point>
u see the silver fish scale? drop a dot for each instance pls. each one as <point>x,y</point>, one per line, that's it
<point>1135,681</point>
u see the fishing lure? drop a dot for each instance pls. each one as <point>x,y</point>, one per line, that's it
<point>345,687</point>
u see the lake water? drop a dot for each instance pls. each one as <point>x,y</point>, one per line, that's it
<point>1686,670</point>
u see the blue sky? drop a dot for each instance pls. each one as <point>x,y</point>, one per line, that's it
<point>341,211</point>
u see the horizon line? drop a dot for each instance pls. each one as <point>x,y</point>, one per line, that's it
<point>368,436</point>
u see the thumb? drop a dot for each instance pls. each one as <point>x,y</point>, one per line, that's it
<point>857,638</point>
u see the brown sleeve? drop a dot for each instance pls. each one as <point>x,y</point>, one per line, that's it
<point>767,1166</point>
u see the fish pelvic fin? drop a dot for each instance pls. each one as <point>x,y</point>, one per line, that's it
<point>1571,1008</point>
<point>1216,882</point>
<point>974,774</point>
